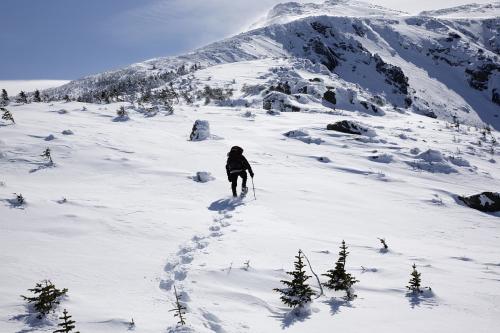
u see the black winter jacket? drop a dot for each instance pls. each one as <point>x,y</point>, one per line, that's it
<point>236,162</point>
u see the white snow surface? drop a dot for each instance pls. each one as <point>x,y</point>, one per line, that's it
<point>134,223</point>
<point>473,10</point>
<point>14,87</point>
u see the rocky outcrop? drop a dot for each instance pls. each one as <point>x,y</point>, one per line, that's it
<point>349,127</point>
<point>485,202</point>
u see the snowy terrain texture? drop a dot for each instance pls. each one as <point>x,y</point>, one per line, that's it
<point>360,123</point>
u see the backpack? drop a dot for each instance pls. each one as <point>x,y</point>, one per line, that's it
<point>234,160</point>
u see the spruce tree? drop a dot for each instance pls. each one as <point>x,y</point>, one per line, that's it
<point>46,297</point>
<point>296,292</point>
<point>36,97</point>
<point>414,284</point>
<point>4,98</point>
<point>180,310</point>
<point>7,115</point>
<point>22,98</point>
<point>67,324</point>
<point>338,278</point>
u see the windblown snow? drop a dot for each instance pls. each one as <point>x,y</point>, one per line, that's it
<point>131,206</point>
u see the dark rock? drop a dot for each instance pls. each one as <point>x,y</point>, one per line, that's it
<point>330,97</point>
<point>495,96</point>
<point>394,74</point>
<point>479,77</point>
<point>346,126</point>
<point>485,202</point>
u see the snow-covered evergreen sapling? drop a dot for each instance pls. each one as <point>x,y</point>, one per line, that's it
<point>19,199</point>
<point>4,98</point>
<point>384,244</point>
<point>121,112</point>
<point>22,98</point>
<point>338,278</point>
<point>414,285</point>
<point>46,297</point>
<point>36,96</point>
<point>67,324</point>
<point>46,154</point>
<point>131,324</point>
<point>297,292</point>
<point>180,310</point>
<point>7,115</point>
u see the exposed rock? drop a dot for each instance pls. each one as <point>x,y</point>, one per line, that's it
<point>350,127</point>
<point>330,97</point>
<point>394,74</point>
<point>495,96</point>
<point>485,202</point>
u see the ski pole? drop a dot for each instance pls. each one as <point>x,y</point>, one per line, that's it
<point>253,186</point>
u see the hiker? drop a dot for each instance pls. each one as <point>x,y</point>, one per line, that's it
<point>236,166</point>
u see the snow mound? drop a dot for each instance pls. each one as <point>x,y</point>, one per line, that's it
<point>382,158</point>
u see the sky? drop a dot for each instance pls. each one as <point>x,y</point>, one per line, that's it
<point>68,39</point>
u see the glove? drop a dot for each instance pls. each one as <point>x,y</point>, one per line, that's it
<point>229,178</point>
<point>252,174</point>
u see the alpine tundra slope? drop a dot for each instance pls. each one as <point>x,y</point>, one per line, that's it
<point>131,207</point>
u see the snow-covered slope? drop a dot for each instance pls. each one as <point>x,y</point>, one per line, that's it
<point>449,67</point>
<point>291,11</point>
<point>119,219</point>
<point>474,10</point>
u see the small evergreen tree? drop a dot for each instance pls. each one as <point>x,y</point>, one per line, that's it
<point>121,112</point>
<point>7,115</point>
<point>384,244</point>
<point>66,325</point>
<point>36,97</point>
<point>338,278</point>
<point>46,297</point>
<point>46,153</point>
<point>22,98</point>
<point>4,98</point>
<point>414,284</point>
<point>19,199</point>
<point>296,292</point>
<point>180,310</point>
<point>67,99</point>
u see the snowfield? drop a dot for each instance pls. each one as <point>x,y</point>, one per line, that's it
<point>135,223</point>
<point>356,128</point>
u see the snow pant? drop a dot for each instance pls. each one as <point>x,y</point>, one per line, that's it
<point>234,180</point>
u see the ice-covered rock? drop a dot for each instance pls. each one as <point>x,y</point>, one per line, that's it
<point>200,131</point>
<point>203,177</point>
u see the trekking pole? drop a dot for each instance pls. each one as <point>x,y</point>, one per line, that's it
<point>253,186</point>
